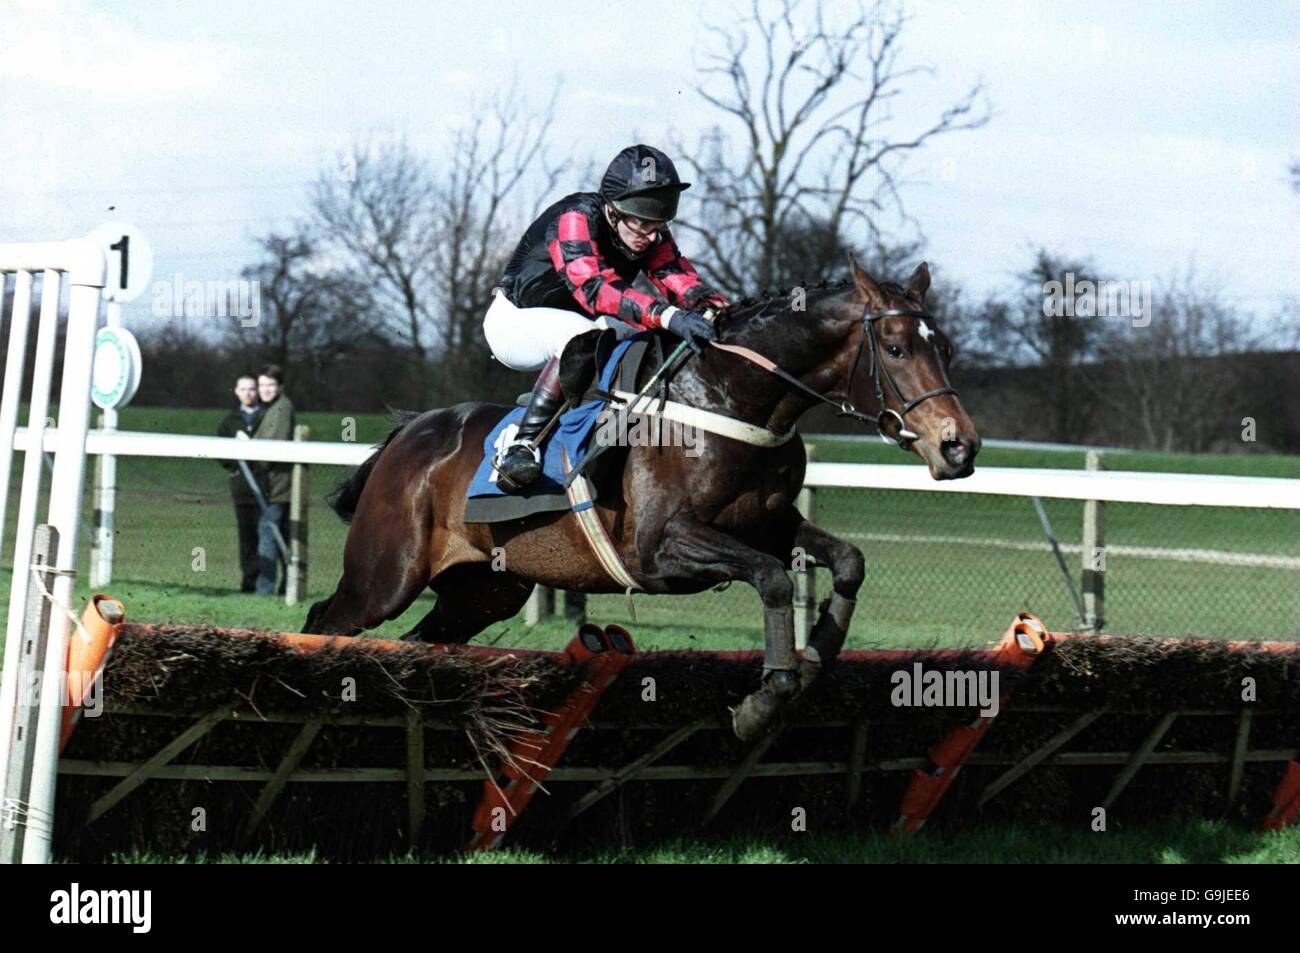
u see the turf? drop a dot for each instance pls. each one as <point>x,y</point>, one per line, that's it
<point>1201,842</point>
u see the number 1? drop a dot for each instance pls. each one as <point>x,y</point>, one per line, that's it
<point>123,246</point>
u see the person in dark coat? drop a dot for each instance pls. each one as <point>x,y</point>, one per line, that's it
<point>244,418</point>
<point>276,423</point>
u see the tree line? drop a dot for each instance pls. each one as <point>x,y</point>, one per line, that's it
<point>376,296</point>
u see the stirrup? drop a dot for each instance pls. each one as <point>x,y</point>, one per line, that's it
<point>498,459</point>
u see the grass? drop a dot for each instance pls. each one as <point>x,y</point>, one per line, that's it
<point>1199,842</point>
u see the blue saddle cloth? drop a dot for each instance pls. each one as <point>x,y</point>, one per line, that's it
<point>572,434</point>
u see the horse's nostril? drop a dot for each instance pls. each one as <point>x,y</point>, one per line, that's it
<point>955,451</point>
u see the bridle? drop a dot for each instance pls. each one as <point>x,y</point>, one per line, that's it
<point>880,378</point>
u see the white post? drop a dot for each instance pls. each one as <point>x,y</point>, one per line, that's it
<point>21,743</point>
<point>19,322</point>
<point>805,580</point>
<point>1094,554</point>
<point>540,605</point>
<point>67,487</point>
<point>33,476</point>
<point>83,261</point>
<point>101,560</point>
<point>295,570</point>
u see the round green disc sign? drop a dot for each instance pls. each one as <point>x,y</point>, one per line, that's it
<point>116,373</point>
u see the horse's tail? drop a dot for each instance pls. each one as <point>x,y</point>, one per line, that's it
<point>343,498</point>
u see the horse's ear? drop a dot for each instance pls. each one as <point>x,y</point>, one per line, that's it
<point>919,283</point>
<point>871,292</point>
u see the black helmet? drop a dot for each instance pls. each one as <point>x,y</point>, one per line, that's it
<point>642,181</point>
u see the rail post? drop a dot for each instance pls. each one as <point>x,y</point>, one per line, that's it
<point>20,748</point>
<point>105,483</point>
<point>805,580</point>
<point>1094,554</point>
<point>540,605</point>
<point>295,589</point>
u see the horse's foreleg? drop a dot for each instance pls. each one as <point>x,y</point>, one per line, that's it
<point>694,553</point>
<point>847,573</point>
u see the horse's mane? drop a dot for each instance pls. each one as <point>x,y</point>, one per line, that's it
<point>752,306</point>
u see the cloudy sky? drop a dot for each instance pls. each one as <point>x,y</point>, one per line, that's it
<point>1147,136</point>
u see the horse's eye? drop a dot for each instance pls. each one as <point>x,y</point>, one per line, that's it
<point>894,351</point>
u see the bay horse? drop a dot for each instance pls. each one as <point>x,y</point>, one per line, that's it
<point>681,523</point>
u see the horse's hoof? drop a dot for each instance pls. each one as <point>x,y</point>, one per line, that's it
<point>784,683</point>
<point>755,714</point>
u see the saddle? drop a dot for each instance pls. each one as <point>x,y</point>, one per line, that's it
<point>568,458</point>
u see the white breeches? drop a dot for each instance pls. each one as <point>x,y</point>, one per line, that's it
<point>524,339</point>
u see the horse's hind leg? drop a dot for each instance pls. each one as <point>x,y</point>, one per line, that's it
<point>355,607</point>
<point>380,581</point>
<point>471,596</point>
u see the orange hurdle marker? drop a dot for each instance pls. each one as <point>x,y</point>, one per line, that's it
<point>605,653</point>
<point>88,651</point>
<point>1024,643</point>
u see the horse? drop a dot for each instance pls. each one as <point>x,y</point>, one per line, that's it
<point>681,522</point>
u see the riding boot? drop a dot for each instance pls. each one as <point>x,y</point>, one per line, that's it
<point>521,464</point>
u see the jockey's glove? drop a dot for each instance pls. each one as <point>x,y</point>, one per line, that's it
<point>692,327</point>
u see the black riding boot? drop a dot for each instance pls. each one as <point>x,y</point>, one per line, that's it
<point>521,463</point>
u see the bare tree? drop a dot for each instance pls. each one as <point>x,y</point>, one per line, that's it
<point>1171,383</point>
<point>431,235</point>
<point>479,219</point>
<point>376,215</point>
<point>966,320</point>
<point>1051,335</point>
<point>810,105</point>
<point>309,310</point>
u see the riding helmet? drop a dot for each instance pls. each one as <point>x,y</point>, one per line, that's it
<point>642,181</point>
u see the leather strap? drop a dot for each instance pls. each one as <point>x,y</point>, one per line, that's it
<point>708,421</point>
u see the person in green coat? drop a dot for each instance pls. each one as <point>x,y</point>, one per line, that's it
<point>244,418</point>
<point>277,423</point>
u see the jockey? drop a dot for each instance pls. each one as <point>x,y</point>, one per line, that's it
<point>573,271</point>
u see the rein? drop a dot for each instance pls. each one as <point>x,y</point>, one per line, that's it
<point>880,377</point>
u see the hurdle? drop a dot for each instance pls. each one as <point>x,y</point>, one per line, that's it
<point>29,732</point>
<point>256,729</point>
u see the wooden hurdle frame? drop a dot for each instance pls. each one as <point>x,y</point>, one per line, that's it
<point>646,766</point>
<point>606,780</point>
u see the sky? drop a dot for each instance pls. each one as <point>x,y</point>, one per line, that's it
<point>1149,137</point>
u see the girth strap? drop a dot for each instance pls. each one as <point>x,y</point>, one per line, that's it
<point>706,420</point>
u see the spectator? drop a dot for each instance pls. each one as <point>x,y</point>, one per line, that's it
<point>243,419</point>
<point>277,423</point>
